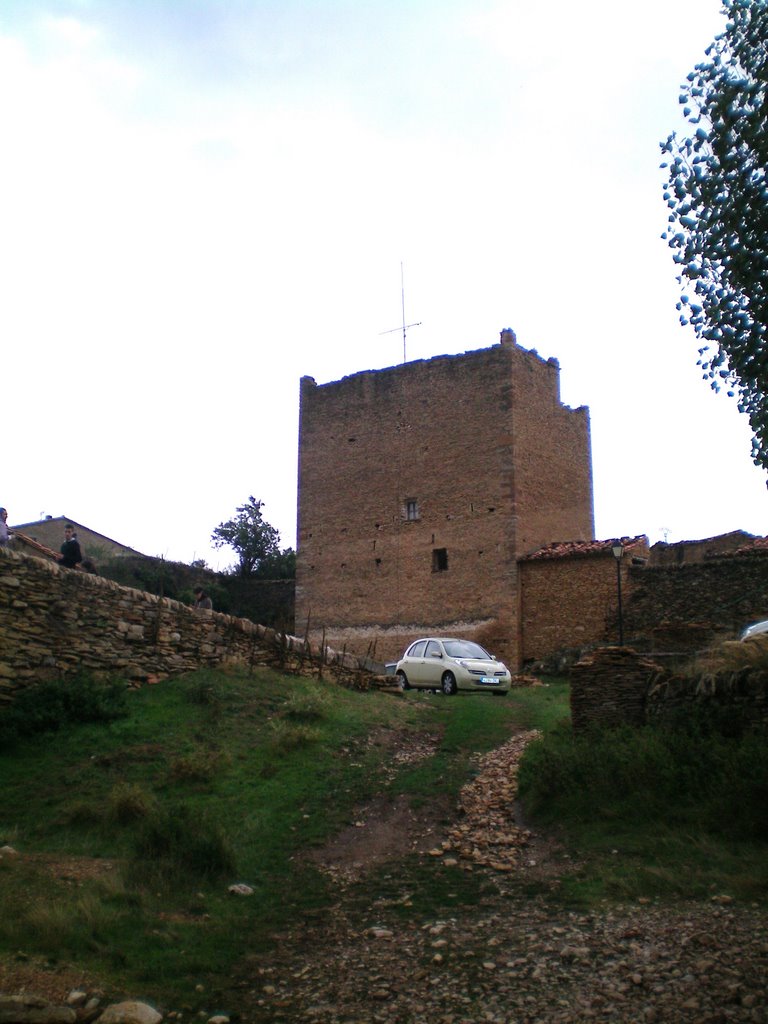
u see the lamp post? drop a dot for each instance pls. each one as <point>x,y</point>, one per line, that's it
<point>618,550</point>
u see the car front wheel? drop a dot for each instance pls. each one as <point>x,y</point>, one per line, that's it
<point>448,684</point>
<point>403,681</point>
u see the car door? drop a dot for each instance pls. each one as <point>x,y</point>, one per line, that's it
<point>433,664</point>
<point>414,663</point>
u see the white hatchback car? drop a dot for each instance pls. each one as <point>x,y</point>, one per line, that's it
<point>448,664</point>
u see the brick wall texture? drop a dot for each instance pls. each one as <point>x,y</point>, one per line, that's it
<point>419,488</point>
<point>568,603</point>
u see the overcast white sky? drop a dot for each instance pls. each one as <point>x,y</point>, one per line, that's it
<point>202,200</point>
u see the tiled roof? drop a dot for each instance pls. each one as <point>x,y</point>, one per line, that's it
<point>758,546</point>
<point>585,548</point>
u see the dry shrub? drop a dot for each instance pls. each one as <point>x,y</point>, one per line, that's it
<point>128,802</point>
<point>306,707</point>
<point>728,658</point>
<point>201,766</point>
<point>288,736</point>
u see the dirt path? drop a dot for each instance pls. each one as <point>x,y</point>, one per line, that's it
<point>512,959</point>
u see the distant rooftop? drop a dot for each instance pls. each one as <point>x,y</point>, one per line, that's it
<point>585,548</point>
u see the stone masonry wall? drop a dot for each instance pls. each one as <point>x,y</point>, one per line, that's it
<point>688,607</point>
<point>608,688</point>
<point>569,603</point>
<point>56,621</point>
<point>419,487</point>
<point>615,686</point>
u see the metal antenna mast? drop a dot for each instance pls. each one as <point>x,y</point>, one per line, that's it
<point>405,326</point>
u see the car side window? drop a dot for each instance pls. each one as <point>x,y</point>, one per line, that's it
<point>417,650</point>
<point>433,649</point>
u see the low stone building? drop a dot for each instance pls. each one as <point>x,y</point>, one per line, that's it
<point>49,533</point>
<point>569,594</point>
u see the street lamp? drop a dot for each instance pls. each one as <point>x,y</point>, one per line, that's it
<point>618,550</point>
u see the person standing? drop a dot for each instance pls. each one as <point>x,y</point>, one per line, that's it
<point>4,534</point>
<point>202,601</point>
<point>71,555</point>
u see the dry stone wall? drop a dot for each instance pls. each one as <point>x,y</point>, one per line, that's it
<point>688,607</point>
<point>745,691</point>
<point>608,688</point>
<point>55,622</point>
<point>615,686</point>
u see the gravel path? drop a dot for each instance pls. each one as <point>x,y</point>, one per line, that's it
<point>515,960</point>
<point>525,963</point>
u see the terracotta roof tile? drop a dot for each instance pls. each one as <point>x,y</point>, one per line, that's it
<point>585,548</point>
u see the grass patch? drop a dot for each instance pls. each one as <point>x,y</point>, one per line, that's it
<point>174,846</point>
<point>49,706</point>
<point>210,779</point>
<point>223,777</point>
<point>665,810</point>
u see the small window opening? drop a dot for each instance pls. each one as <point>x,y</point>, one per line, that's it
<point>440,560</point>
<point>411,510</point>
<point>378,561</point>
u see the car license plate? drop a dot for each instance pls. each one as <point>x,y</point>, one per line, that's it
<point>490,680</point>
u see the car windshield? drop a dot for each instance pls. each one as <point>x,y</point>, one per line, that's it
<point>465,649</point>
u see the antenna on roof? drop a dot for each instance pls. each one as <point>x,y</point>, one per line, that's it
<point>405,326</point>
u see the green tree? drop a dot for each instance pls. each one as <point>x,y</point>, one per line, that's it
<point>717,194</point>
<point>279,566</point>
<point>250,535</point>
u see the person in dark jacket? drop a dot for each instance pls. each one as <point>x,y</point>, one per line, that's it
<point>71,555</point>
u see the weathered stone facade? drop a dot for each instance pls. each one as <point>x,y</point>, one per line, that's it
<point>421,485</point>
<point>608,688</point>
<point>616,686</point>
<point>687,552</point>
<point>689,607</point>
<point>569,595</point>
<point>56,621</point>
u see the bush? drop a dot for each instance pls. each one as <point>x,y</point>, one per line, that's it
<point>706,770</point>
<point>306,707</point>
<point>288,736</point>
<point>127,803</point>
<point>175,842</point>
<point>200,766</point>
<point>48,706</point>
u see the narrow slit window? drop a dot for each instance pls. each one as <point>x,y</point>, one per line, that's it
<point>411,510</point>
<point>440,560</point>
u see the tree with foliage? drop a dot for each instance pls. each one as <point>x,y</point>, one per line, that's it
<point>255,541</point>
<point>717,193</point>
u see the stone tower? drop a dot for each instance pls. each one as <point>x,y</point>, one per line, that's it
<point>421,485</point>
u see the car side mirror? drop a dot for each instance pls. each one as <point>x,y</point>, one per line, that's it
<point>436,654</point>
